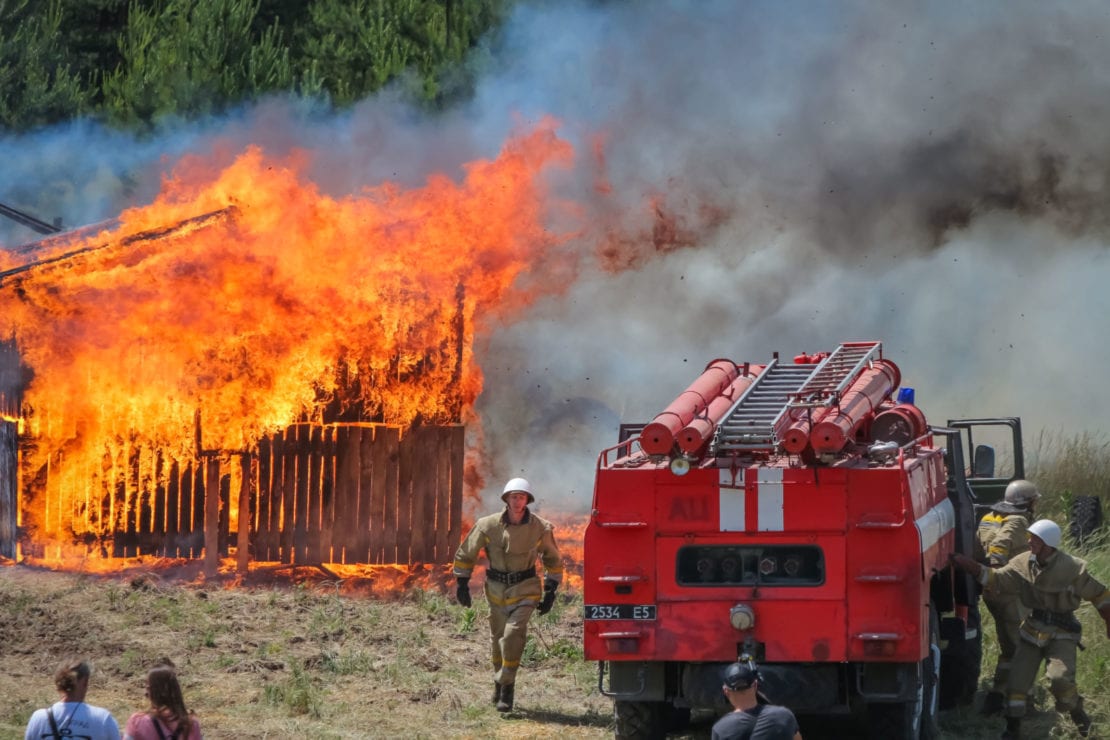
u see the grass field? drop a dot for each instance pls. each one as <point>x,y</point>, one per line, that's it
<point>298,654</point>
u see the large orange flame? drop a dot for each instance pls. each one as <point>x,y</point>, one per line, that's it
<point>252,299</point>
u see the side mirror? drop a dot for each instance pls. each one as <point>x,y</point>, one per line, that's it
<point>983,465</point>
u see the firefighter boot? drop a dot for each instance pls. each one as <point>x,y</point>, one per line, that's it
<point>1013,729</point>
<point>505,703</point>
<point>496,692</point>
<point>1081,719</point>
<point>993,703</point>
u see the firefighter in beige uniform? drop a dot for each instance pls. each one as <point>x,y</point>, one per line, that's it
<point>1002,535</point>
<point>1052,584</point>
<point>512,539</point>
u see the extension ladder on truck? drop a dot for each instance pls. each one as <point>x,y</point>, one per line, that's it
<point>752,421</point>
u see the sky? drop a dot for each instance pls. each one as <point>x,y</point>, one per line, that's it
<point>781,177</point>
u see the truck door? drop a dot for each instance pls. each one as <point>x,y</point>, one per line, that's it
<point>994,455</point>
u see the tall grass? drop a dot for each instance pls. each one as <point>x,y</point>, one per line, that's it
<point>1065,467</point>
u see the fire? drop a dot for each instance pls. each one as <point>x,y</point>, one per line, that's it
<point>244,300</point>
<point>570,533</point>
<point>379,581</point>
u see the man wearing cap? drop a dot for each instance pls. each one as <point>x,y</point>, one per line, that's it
<point>750,720</point>
<point>1052,584</point>
<point>1002,535</point>
<point>513,539</point>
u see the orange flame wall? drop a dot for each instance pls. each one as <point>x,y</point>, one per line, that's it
<point>283,305</point>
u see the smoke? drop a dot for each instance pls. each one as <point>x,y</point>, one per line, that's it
<point>753,177</point>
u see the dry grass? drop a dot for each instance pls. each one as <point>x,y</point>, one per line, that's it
<point>299,654</point>
<point>290,659</point>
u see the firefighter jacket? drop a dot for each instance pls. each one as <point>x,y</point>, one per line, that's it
<point>1001,537</point>
<point>1053,590</point>
<point>511,549</point>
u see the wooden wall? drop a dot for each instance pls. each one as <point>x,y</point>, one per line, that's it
<point>357,493</point>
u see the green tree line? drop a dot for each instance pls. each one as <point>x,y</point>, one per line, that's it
<point>132,63</point>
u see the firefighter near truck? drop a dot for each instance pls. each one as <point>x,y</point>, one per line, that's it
<point>800,514</point>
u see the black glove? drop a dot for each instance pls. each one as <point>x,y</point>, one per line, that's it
<point>462,591</point>
<point>549,586</point>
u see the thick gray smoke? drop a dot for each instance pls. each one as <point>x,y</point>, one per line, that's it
<point>931,175</point>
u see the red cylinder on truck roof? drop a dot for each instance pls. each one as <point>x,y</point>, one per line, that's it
<point>862,397</point>
<point>799,426</point>
<point>658,437</point>
<point>700,429</point>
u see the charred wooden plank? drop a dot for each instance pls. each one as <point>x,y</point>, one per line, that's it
<point>288,493</point>
<point>374,479</point>
<point>347,451</point>
<point>327,495</point>
<point>212,492</point>
<point>314,550</point>
<point>406,461</point>
<point>173,509</point>
<point>386,453</point>
<point>245,514</point>
<point>366,484</point>
<point>260,539</point>
<point>300,434</point>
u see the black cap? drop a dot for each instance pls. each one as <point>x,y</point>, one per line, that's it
<point>740,676</point>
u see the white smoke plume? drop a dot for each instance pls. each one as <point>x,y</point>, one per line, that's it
<point>931,175</point>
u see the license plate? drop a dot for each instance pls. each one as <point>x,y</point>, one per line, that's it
<point>620,611</point>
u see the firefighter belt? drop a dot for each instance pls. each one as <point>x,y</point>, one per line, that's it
<point>510,578</point>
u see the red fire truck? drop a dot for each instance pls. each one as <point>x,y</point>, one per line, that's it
<point>800,513</point>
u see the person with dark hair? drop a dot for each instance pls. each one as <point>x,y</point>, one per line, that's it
<point>71,717</point>
<point>167,718</point>
<point>751,719</point>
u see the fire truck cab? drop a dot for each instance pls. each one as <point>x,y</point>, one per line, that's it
<point>801,513</point>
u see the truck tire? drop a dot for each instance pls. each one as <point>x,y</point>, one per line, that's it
<point>959,669</point>
<point>915,719</point>
<point>1085,517</point>
<point>639,720</point>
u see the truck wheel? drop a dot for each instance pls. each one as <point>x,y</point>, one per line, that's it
<point>1085,517</point>
<point>959,670</point>
<point>639,720</point>
<point>915,719</point>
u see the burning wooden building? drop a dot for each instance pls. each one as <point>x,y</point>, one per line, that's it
<point>157,413</point>
<point>286,374</point>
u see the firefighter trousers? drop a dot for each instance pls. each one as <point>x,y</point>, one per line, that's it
<point>1008,615</point>
<point>1059,659</point>
<point>508,626</point>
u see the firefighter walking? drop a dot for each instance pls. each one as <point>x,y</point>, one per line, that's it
<point>1002,534</point>
<point>513,539</point>
<point>1052,584</point>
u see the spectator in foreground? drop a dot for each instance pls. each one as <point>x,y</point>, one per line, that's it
<point>167,718</point>
<point>71,716</point>
<point>749,718</point>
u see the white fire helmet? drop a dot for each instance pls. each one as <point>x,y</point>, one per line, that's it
<point>1021,493</point>
<point>518,484</point>
<point>1047,530</point>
